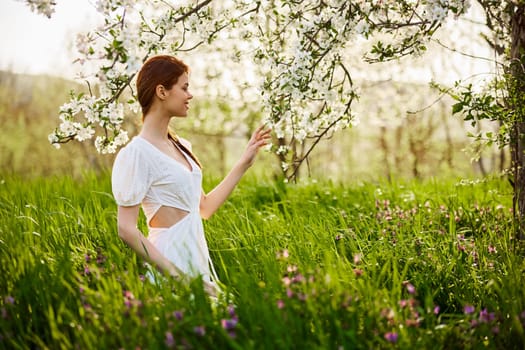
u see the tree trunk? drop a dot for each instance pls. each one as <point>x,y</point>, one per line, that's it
<point>517,100</point>
<point>449,151</point>
<point>481,163</point>
<point>383,144</point>
<point>502,155</point>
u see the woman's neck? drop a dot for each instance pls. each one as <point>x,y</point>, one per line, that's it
<point>155,127</point>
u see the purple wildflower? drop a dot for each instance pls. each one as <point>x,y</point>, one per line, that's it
<point>178,315</point>
<point>231,310</point>
<point>436,310</point>
<point>199,330</point>
<point>280,304</point>
<point>391,337</point>
<point>9,300</point>
<point>410,288</point>
<point>468,309</point>
<point>169,341</point>
<point>101,259</point>
<point>228,324</point>
<point>485,316</point>
<point>298,278</point>
<point>301,296</point>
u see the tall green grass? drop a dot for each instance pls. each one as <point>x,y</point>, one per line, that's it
<point>407,265</point>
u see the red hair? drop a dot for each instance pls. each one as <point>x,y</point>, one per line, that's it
<point>162,70</point>
<point>158,70</point>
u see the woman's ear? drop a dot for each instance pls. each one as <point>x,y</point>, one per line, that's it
<point>160,91</point>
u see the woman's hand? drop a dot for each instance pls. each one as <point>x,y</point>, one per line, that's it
<point>259,139</point>
<point>209,288</point>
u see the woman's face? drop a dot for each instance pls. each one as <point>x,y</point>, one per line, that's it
<point>178,97</point>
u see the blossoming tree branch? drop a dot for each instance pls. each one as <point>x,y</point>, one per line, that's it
<point>299,51</point>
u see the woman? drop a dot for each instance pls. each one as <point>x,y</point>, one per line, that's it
<point>158,171</point>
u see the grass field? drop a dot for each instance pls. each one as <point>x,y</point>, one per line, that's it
<point>409,265</point>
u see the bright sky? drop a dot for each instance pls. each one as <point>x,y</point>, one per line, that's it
<point>32,43</point>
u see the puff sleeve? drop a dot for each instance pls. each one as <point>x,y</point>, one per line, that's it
<point>130,178</point>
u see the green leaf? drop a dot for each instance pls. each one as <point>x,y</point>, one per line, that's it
<point>457,107</point>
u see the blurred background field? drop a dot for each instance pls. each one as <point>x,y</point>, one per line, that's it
<point>406,128</point>
<point>390,142</point>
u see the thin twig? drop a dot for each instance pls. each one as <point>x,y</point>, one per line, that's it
<point>466,54</point>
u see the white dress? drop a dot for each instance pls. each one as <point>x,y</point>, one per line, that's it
<point>144,174</point>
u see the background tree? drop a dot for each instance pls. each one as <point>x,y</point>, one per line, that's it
<point>502,99</point>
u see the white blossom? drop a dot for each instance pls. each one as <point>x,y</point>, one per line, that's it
<point>122,138</point>
<point>282,149</point>
<point>133,65</point>
<point>54,140</point>
<point>362,27</point>
<point>67,127</point>
<point>72,107</point>
<point>85,133</point>
<point>134,106</point>
<point>44,7</point>
<point>99,143</point>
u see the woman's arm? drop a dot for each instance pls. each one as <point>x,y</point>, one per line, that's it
<point>212,201</point>
<point>127,218</point>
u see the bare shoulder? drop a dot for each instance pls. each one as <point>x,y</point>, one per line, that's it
<point>185,142</point>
